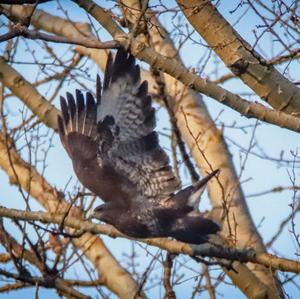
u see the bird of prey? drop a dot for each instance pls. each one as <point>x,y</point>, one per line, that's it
<point>116,154</point>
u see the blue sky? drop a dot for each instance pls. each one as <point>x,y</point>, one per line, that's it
<point>259,175</point>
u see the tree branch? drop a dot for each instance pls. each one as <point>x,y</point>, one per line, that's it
<point>19,30</point>
<point>176,70</point>
<point>176,247</point>
<point>179,72</point>
<point>46,112</point>
<point>20,2</point>
<point>57,283</point>
<point>268,83</point>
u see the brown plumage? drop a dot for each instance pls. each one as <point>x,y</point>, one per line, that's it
<point>116,154</point>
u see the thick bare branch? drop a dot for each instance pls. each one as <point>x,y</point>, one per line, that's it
<point>176,70</point>
<point>176,247</point>
<point>19,30</point>
<point>294,54</point>
<point>11,79</point>
<point>268,83</point>
<point>57,283</point>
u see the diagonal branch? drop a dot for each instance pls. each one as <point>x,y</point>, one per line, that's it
<point>178,71</point>
<point>268,83</point>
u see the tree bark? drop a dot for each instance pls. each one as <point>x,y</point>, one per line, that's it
<point>268,83</point>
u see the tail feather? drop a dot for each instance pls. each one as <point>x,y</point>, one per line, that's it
<point>190,196</point>
<point>205,180</point>
<point>198,189</point>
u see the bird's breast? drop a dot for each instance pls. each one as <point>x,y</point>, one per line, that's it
<point>137,225</point>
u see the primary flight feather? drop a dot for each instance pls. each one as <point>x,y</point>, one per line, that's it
<point>116,154</point>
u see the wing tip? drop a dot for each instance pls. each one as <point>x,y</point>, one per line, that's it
<point>90,101</point>
<point>60,125</point>
<point>123,63</point>
<point>108,71</point>
<point>98,89</point>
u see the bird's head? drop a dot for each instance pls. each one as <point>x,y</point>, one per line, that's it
<point>105,213</point>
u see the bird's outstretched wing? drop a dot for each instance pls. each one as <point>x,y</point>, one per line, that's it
<point>125,126</point>
<point>78,132</point>
<point>112,142</point>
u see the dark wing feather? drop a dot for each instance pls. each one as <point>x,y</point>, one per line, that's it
<point>127,115</point>
<point>78,119</point>
<point>194,228</point>
<point>78,132</point>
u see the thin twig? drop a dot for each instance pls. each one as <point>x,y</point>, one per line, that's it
<point>19,30</point>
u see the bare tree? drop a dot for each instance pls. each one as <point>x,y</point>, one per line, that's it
<point>240,60</point>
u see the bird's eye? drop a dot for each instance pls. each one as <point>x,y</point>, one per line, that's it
<point>99,208</point>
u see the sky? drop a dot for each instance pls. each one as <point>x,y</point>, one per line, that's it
<point>259,175</point>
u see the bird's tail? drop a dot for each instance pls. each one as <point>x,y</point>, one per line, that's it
<point>189,197</point>
<point>198,189</point>
<point>194,229</point>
